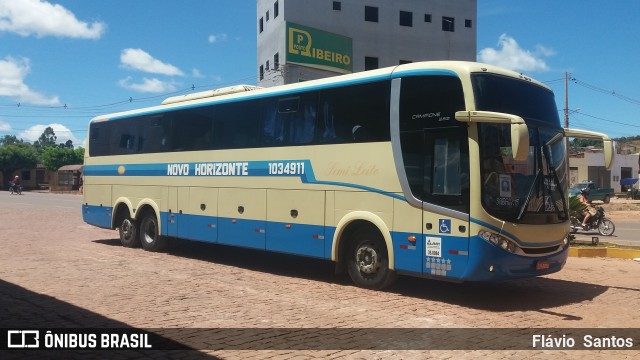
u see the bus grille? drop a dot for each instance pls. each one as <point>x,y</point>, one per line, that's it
<point>537,251</point>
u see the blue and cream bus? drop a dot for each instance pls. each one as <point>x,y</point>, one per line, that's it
<point>446,170</point>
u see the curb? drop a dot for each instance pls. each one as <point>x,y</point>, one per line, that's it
<point>605,252</point>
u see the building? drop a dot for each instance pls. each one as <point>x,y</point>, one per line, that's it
<point>301,40</point>
<point>589,165</point>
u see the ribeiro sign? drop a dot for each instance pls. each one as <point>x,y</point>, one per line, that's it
<point>316,48</point>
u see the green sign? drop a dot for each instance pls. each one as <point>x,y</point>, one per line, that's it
<point>318,48</point>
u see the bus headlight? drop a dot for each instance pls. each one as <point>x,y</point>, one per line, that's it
<point>500,241</point>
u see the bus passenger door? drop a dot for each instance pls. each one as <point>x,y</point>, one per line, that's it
<point>445,202</point>
<point>242,217</point>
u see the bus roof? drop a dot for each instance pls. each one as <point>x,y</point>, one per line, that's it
<point>238,92</point>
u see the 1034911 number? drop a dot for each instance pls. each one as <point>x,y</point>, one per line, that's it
<point>286,168</point>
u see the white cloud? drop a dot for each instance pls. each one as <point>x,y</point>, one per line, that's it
<point>148,85</point>
<point>62,134</point>
<point>215,38</point>
<point>138,59</point>
<point>196,73</point>
<point>12,74</point>
<point>41,18</point>
<point>4,126</point>
<point>511,56</point>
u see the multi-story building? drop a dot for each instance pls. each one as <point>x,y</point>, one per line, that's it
<point>302,40</point>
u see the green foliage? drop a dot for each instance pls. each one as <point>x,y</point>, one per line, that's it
<point>576,207</point>
<point>54,157</point>
<point>15,157</point>
<point>582,143</point>
<point>10,140</point>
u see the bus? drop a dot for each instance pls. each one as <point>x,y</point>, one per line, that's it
<point>446,170</point>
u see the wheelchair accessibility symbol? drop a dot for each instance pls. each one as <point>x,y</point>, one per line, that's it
<point>445,226</point>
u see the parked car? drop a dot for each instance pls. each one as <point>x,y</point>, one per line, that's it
<point>595,192</point>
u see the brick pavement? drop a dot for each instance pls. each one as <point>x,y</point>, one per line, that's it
<point>56,271</point>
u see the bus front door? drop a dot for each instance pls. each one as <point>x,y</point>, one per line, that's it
<point>445,196</point>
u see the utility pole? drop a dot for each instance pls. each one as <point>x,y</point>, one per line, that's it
<point>566,99</point>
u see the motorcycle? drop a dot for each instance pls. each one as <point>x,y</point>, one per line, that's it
<point>605,226</point>
<point>15,189</point>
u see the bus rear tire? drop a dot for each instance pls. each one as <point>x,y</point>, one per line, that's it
<point>368,260</point>
<point>129,233</point>
<point>149,236</point>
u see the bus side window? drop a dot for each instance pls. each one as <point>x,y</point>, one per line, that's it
<point>237,124</point>
<point>358,113</point>
<point>99,140</point>
<point>289,120</point>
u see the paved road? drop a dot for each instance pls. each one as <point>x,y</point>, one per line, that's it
<point>626,233</point>
<point>56,271</point>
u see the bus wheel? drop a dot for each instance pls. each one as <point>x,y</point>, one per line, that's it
<point>368,262</point>
<point>129,233</point>
<point>149,235</point>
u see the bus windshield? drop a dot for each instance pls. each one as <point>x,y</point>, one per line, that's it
<point>529,191</point>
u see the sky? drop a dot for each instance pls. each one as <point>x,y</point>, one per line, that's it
<point>63,62</point>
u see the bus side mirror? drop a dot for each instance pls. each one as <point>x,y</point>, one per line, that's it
<point>606,140</point>
<point>519,130</point>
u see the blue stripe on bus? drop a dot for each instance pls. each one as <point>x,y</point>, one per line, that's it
<point>491,263</point>
<point>99,216</point>
<point>461,258</point>
<point>254,168</point>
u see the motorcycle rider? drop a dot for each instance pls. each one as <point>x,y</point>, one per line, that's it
<point>589,211</point>
<point>14,185</point>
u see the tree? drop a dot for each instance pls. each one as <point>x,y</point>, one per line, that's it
<point>15,157</point>
<point>48,138</point>
<point>10,140</point>
<point>54,157</point>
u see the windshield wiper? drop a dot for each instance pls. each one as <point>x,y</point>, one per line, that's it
<point>552,170</point>
<point>528,198</point>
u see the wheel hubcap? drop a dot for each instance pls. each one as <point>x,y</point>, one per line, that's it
<point>126,229</point>
<point>367,260</point>
<point>149,233</point>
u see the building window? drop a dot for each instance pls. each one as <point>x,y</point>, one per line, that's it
<point>448,24</point>
<point>371,13</point>
<point>405,62</point>
<point>267,16</point>
<point>276,61</point>
<point>427,18</point>
<point>406,18</point>
<point>26,175</point>
<point>276,10</point>
<point>266,67</point>
<point>337,5</point>
<point>261,72</point>
<point>467,23</point>
<point>370,63</point>
<point>261,25</point>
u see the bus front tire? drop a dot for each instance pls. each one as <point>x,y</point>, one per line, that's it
<point>129,233</point>
<point>368,260</point>
<point>149,236</point>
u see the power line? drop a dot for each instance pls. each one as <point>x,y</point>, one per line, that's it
<point>605,91</point>
<point>611,121</point>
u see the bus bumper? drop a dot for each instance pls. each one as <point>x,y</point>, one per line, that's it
<point>491,263</point>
